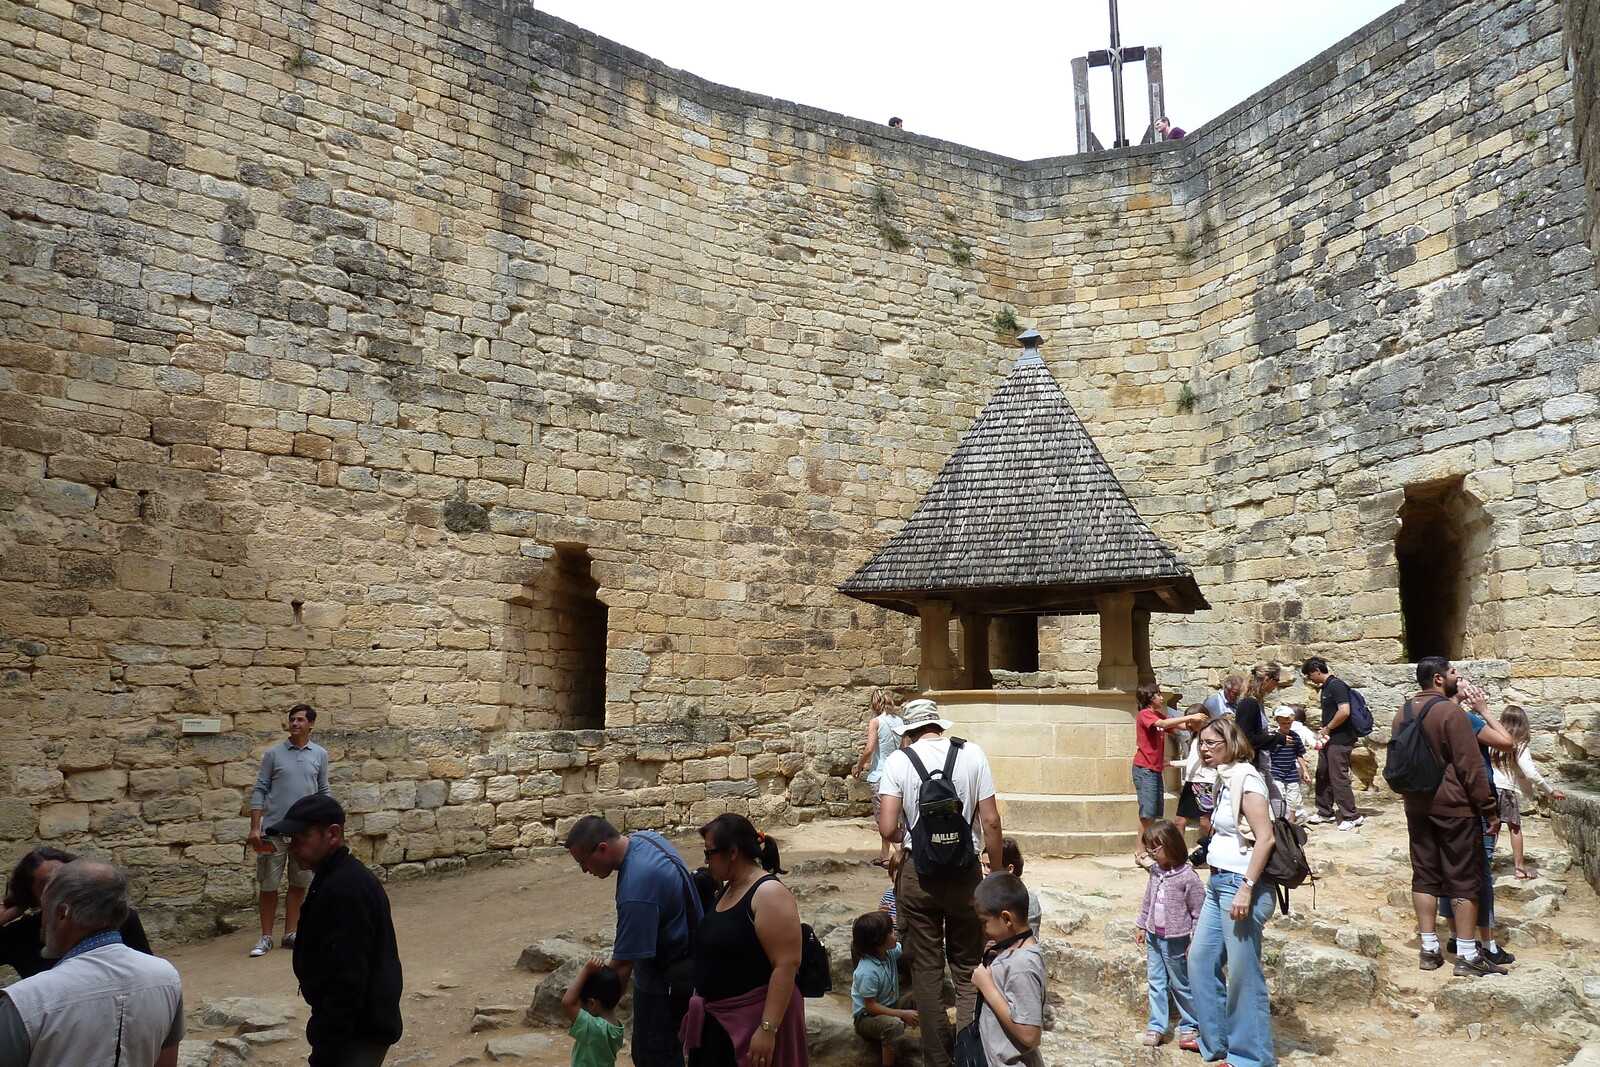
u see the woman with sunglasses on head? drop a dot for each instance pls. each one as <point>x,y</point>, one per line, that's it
<point>746,953</point>
<point>1234,1013</point>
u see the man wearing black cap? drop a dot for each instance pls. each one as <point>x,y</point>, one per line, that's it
<point>345,958</point>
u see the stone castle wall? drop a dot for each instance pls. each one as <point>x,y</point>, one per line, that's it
<point>1380,281</point>
<point>348,347</point>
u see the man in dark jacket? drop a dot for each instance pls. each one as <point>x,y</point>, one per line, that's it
<point>345,957</point>
<point>1444,826</point>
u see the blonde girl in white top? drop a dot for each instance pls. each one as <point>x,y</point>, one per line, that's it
<point>1513,771</point>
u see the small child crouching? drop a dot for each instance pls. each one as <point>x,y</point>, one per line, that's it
<point>589,1002</point>
<point>881,1012</point>
<point>1010,1015</point>
<point>1171,905</point>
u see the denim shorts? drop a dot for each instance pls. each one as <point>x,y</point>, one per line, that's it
<point>1147,785</point>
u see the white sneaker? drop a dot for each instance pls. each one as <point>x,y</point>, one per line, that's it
<point>1349,824</point>
<point>263,947</point>
<point>1317,820</point>
<point>288,941</point>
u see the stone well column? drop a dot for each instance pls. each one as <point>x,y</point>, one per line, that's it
<point>934,672</point>
<point>1117,667</point>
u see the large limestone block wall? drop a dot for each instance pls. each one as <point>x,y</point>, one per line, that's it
<point>404,357</point>
<point>1379,280</point>
<point>350,347</point>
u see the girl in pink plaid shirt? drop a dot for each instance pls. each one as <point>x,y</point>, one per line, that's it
<point>1166,920</point>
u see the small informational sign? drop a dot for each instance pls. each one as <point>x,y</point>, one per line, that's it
<point>202,726</point>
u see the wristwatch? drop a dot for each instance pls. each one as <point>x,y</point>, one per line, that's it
<point>1249,884</point>
<point>768,1027</point>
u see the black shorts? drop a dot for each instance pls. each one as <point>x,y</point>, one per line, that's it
<point>1188,806</point>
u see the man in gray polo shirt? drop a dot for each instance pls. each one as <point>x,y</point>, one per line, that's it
<point>291,770</point>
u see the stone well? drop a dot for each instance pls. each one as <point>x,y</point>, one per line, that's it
<point>1061,765</point>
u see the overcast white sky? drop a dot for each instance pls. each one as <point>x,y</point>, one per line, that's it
<point>992,75</point>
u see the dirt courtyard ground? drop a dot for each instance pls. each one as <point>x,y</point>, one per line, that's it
<point>1343,965</point>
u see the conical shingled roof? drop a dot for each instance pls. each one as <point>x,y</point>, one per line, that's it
<point>1026,517</point>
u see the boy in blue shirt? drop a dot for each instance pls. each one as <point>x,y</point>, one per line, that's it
<point>589,1001</point>
<point>881,1014</point>
<point>1289,765</point>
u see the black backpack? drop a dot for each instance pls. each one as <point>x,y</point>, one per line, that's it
<point>941,841</point>
<point>1360,714</point>
<point>1412,766</point>
<point>815,976</point>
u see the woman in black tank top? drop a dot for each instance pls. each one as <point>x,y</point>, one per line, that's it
<point>749,941</point>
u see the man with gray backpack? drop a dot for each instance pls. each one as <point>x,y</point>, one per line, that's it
<point>942,790</point>
<point>1435,765</point>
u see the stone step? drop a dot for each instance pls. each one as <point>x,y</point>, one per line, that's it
<point>1059,844</point>
<point>1044,812</point>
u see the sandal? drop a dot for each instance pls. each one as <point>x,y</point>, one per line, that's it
<point>1189,1041</point>
<point>881,863</point>
<point>1522,872</point>
<point>1154,1037</point>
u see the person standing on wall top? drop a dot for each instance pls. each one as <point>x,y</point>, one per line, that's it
<point>1167,131</point>
<point>346,958</point>
<point>934,892</point>
<point>103,1003</point>
<point>656,913</point>
<point>296,768</point>
<point>1338,742</point>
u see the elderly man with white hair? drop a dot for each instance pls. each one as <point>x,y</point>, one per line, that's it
<point>104,1003</point>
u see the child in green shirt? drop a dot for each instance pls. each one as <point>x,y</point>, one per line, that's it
<point>589,1002</point>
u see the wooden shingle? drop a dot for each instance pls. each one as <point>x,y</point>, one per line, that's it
<point>1026,517</point>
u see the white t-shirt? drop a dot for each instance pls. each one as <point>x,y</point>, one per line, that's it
<point>971,776</point>
<point>1227,851</point>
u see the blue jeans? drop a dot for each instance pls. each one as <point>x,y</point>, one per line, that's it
<point>1168,967</point>
<point>1486,901</point>
<point>1148,787</point>
<point>1234,1013</point>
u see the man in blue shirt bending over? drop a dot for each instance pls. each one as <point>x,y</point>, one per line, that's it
<point>657,910</point>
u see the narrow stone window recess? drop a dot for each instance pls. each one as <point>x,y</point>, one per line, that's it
<point>556,647</point>
<point>1442,551</point>
<point>298,607</point>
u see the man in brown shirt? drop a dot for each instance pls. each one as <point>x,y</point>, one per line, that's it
<point>1445,829</point>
